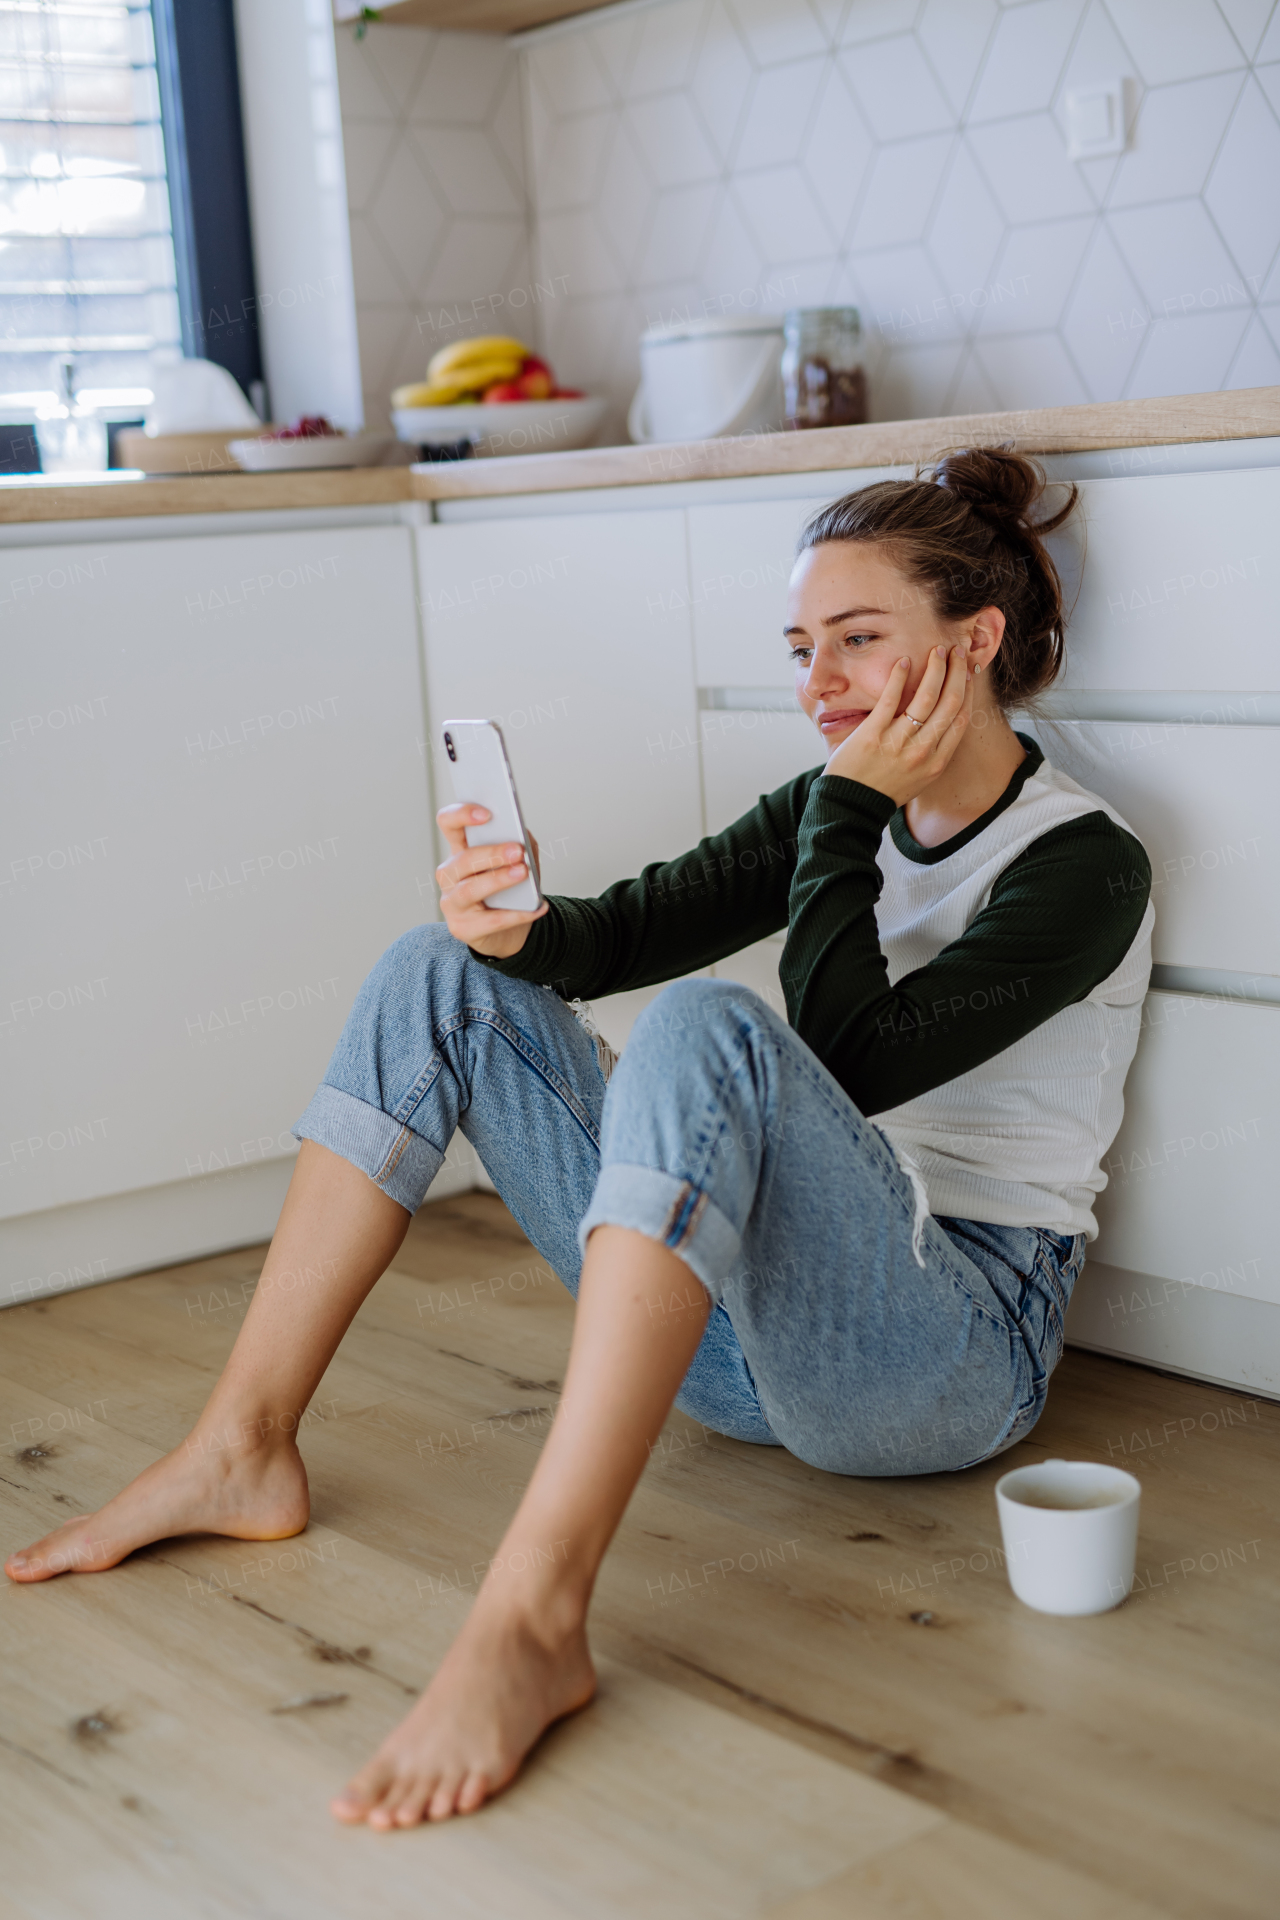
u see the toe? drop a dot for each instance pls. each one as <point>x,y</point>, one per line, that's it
<point>31,1564</point>
<point>473,1793</point>
<point>390,1800</point>
<point>441,1804</point>
<point>63,1551</point>
<point>412,1808</point>
<point>362,1795</point>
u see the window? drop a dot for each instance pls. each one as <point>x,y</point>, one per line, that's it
<point>86,244</point>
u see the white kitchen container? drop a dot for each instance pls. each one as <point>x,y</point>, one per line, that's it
<point>701,379</point>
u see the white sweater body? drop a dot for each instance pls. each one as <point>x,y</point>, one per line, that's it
<point>1020,1140</point>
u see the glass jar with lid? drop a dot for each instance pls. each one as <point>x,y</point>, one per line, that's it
<point>823,378</point>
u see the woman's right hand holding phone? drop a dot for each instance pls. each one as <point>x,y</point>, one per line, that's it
<point>470,875</point>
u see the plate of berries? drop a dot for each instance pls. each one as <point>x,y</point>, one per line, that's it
<point>309,442</point>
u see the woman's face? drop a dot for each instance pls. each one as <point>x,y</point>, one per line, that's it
<point>850,614</point>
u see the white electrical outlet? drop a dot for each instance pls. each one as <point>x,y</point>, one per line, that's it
<point>1097,119</point>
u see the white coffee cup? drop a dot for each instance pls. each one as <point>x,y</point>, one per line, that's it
<point>1070,1534</point>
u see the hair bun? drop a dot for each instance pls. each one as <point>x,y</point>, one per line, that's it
<point>961,530</point>
<point>995,481</point>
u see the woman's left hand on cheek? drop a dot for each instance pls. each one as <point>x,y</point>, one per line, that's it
<point>895,757</point>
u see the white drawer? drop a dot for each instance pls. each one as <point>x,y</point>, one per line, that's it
<point>740,560</point>
<point>1192,1172</point>
<point>750,752</point>
<point>1180,588</point>
<point>1181,585</point>
<point>573,633</point>
<point>1205,803</point>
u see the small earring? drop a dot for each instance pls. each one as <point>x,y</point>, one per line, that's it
<point>977,669</point>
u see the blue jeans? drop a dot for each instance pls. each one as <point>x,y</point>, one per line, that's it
<point>847,1325</point>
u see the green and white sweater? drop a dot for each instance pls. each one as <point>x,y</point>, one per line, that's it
<point>981,999</point>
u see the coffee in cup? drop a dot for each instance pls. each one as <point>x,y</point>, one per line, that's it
<point>1070,1531</point>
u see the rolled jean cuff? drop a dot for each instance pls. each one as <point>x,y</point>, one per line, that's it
<point>683,1217</point>
<point>395,1158</point>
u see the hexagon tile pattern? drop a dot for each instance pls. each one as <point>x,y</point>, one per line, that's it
<point>433,137</point>
<point>906,156</point>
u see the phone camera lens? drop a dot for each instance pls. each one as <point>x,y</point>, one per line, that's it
<point>448,746</point>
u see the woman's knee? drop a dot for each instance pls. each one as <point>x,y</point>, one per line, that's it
<point>689,1013</point>
<point>416,982</point>
<point>428,945</point>
<point>426,955</point>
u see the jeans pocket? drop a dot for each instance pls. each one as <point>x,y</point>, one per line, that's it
<point>1059,1259</point>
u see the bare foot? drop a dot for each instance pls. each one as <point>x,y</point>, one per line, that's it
<point>257,1493</point>
<point>506,1677</point>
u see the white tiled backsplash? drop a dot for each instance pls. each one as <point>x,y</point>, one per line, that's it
<point>433,134</point>
<point>905,156</point>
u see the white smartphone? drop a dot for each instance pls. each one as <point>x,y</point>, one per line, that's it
<point>482,778</point>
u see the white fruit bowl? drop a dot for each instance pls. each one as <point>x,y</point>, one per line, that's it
<point>324,450</point>
<point>516,426</point>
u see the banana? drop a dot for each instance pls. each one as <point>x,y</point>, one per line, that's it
<point>448,394</point>
<point>464,369</point>
<point>472,379</point>
<point>484,347</point>
<point>478,373</point>
<point>416,394</point>
<point>481,373</point>
<point>462,385</point>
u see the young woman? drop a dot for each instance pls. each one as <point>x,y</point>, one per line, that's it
<point>968,945</point>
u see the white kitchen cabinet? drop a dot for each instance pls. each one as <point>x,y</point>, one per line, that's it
<point>747,751</point>
<point>573,633</point>
<point>1205,803</point>
<point>1191,1187</point>
<point>1180,588</point>
<point>216,818</point>
<point>740,560</point>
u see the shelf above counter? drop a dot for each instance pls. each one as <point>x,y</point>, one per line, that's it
<point>1251,413</point>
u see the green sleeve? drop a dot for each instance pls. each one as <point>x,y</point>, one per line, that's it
<point>676,916</point>
<point>1059,919</point>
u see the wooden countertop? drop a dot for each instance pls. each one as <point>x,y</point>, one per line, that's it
<point>120,498</point>
<point>1245,415</point>
<point>1251,413</point>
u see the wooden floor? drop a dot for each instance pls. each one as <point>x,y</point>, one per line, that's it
<point>819,1697</point>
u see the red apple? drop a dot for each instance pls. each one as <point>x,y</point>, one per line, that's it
<point>535,383</point>
<point>532,364</point>
<point>568,393</point>
<point>503,391</point>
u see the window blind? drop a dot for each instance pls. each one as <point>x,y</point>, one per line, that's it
<point>86,244</point>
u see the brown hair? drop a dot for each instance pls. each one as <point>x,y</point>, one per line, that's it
<point>963,532</point>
